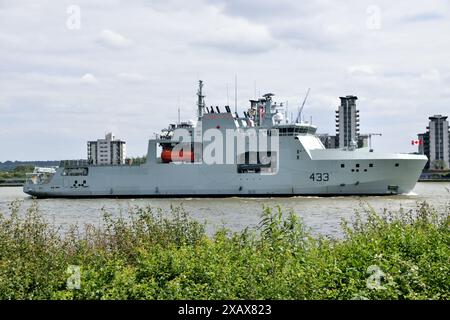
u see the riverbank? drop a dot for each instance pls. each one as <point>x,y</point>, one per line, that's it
<point>12,182</point>
<point>435,176</point>
<point>150,255</point>
<point>15,177</point>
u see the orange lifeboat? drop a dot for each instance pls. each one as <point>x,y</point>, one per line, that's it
<point>167,155</point>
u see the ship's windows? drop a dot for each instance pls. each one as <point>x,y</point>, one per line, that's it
<point>357,170</point>
<point>365,170</point>
<point>298,157</point>
<point>396,164</point>
<point>75,172</point>
<point>298,151</point>
<point>84,181</point>
<point>353,170</point>
<point>357,165</point>
<point>342,165</point>
<point>371,165</point>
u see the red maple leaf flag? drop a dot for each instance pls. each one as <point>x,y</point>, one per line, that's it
<point>416,142</point>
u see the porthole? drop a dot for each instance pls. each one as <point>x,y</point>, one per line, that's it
<point>342,165</point>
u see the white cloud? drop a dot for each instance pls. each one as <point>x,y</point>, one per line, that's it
<point>234,35</point>
<point>131,77</point>
<point>361,70</point>
<point>431,75</point>
<point>114,40</point>
<point>49,71</point>
<point>89,78</point>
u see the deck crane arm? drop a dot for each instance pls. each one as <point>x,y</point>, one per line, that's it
<point>301,108</point>
<point>370,138</point>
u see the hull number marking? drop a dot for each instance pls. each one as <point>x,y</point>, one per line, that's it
<point>319,176</point>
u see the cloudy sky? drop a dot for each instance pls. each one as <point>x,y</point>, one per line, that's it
<point>72,70</point>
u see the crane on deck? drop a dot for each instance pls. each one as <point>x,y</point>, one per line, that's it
<point>370,138</point>
<point>301,108</point>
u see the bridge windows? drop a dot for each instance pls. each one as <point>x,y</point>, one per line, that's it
<point>75,172</point>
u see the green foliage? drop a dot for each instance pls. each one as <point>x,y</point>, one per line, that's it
<point>151,254</point>
<point>18,172</point>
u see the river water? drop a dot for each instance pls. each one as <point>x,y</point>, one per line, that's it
<point>322,214</point>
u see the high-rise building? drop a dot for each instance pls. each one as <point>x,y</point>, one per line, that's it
<point>435,143</point>
<point>347,127</point>
<point>347,121</point>
<point>108,151</point>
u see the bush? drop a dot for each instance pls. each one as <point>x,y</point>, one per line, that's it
<point>152,254</point>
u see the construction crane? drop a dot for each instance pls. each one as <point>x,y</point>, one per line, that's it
<point>370,138</point>
<point>301,108</point>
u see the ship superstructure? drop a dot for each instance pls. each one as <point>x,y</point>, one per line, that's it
<point>224,154</point>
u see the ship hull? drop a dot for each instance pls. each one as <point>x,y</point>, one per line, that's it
<point>344,174</point>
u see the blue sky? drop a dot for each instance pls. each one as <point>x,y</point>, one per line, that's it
<point>132,63</point>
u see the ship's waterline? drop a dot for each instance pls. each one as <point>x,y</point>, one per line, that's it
<point>322,214</point>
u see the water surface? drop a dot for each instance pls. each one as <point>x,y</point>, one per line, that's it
<point>321,214</point>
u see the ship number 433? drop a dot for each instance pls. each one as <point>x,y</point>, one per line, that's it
<point>319,176</point>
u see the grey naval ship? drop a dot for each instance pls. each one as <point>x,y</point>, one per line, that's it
<point>292,161</point>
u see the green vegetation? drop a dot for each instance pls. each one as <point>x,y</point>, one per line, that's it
<point>17,173</point>
<point>136,160</point>
<point>154,255</point>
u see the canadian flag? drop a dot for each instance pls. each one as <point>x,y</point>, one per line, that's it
<point>416,142</point>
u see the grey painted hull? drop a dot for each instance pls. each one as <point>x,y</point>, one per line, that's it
<point>349,173</point>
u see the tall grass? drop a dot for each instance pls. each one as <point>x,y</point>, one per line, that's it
<point>154,255</point>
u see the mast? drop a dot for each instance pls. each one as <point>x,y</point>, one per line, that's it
<point>200,99</point>
<point>235,93</point>
<point>267,121</point>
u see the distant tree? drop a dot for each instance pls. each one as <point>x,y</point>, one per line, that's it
<point>136,160</point>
